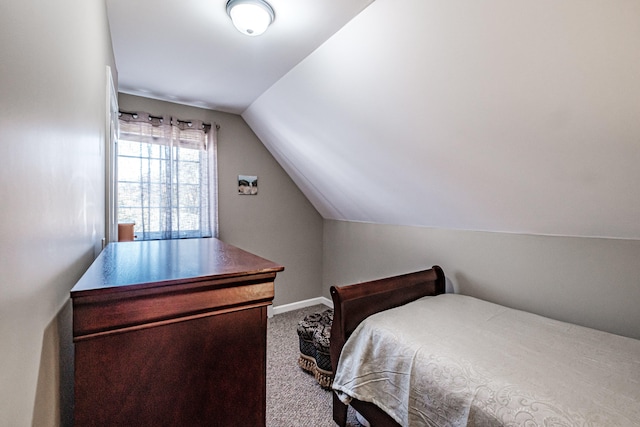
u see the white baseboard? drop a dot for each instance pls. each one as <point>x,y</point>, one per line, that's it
<point>271,310</point>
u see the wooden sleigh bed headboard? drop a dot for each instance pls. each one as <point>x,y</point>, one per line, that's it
<point>354,303</point>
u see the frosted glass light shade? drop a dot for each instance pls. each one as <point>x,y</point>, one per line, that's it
<point>250,17</point>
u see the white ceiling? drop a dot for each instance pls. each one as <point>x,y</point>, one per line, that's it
<point>189,52</point>
<point>497,115</point>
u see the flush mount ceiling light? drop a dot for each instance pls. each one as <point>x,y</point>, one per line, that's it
<point>250,17</point>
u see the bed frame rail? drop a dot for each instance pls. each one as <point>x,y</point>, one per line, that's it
<point>354,303</point>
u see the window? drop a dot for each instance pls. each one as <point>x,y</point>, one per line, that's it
<point>166,181</point>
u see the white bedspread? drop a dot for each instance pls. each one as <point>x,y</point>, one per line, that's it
<point>454,360</point>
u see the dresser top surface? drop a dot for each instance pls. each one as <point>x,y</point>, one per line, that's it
<point>141,264</point>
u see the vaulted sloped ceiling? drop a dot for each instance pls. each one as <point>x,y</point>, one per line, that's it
<point>497,115</point>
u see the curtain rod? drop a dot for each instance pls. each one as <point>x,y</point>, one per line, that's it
<point>151,116</point>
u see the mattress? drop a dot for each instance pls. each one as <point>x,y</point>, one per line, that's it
<point>454,360</point>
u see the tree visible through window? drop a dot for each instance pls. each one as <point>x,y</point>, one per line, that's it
<point>166,177</point>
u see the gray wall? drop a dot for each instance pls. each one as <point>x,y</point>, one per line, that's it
<point>588,281</point>
<point>279,223</point>
<point>52,127</point>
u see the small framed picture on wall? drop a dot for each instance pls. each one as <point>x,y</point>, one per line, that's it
<point>247,185</point>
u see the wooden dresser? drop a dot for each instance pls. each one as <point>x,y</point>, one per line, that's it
<point>172,333</point>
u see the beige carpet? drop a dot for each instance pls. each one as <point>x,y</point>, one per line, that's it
<point>294,398</point>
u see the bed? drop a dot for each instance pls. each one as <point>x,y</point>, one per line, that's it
<point>406,353</point>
